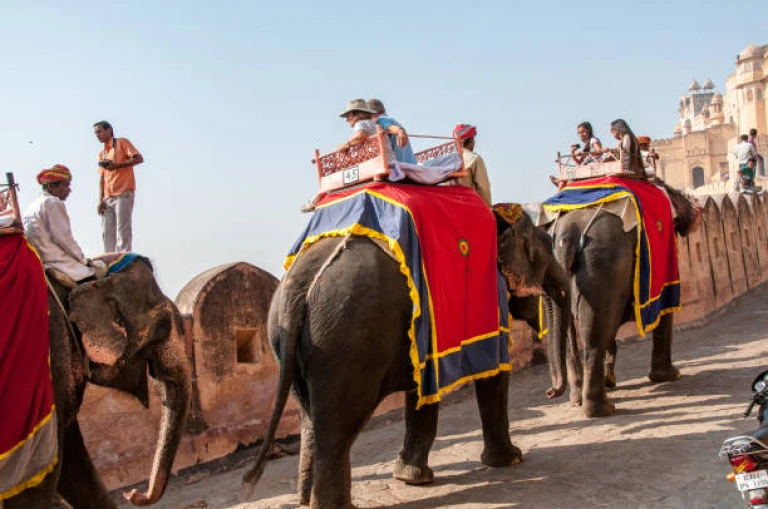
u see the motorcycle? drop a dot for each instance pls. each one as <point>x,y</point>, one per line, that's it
<point>748,454</point>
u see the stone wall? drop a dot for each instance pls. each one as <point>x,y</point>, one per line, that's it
<point>235,374</point>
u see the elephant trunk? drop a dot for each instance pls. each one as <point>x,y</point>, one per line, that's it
<point>559,317</point>
<point>173,371</point>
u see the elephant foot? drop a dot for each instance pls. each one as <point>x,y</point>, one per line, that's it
<point>610,377</point>
<point>576,399</point>
<point>411,474</point>
<point>670,374</point>
<point>509,456</point>
<point>602,408</point>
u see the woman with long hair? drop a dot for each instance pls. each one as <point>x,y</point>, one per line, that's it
<point>628,150</point>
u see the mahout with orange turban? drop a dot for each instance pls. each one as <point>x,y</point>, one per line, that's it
<point>57,173</point>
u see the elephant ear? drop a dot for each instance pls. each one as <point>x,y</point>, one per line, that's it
<point>97,316</point>
<point>131,377</point>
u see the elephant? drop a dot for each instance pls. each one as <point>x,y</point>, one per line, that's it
<point>598,256</point>
<point>128,315</point>
<point>342,352</point>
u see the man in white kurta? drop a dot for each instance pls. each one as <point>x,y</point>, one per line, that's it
<point>46,224</point>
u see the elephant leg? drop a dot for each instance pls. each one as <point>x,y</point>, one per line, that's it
<point>80,484</point>
<point>575,367</point>
<point>339,412</point>
<point>610,363</point>
<point>492,399</point>
<point>39,497</point>
<point>597,332</point>
<point>411,465</point>
<point>662,369</point>
<point>306,460</point>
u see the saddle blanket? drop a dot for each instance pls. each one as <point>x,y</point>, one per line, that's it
<point>444,238</point>
<point>28,440</point>
<point>117,262</point>
<point>657,279</point>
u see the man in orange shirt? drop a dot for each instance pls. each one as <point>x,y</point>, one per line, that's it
<point>117,186</point>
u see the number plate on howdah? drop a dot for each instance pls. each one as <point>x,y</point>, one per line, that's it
<point>351,175</point>
<point>752,480</point>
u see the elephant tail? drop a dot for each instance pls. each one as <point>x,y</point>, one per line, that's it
<point>290,316</point>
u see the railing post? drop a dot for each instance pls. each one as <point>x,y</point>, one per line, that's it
<point>14,199</point>
<point>381,139</point>
<point>319,166</point>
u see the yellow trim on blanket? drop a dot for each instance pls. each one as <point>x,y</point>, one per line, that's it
<point>464,343</point>
<point>639,306</point>
<point>32,482</point>
<point>434,398</point>
<point>31,434</point>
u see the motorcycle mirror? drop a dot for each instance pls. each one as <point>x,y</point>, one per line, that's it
<point>760,382</point>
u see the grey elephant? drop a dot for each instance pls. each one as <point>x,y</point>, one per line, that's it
<point>128,315</point>
<point>343,351</point>
<point>598,256</point>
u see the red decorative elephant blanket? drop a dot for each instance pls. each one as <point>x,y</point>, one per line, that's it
<point>657,278</point>
<point>444,238</point>
<point>28,443</point>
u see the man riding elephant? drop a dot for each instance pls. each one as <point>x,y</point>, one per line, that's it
<point>126,315</point>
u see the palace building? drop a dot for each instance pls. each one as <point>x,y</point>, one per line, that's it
<point>699,157</point>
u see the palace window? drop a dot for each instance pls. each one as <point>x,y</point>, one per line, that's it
<point>697,176</point>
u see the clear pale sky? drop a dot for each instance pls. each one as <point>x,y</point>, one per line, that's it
<point>228,100</point>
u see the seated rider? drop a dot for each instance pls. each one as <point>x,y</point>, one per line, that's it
<point>591,153</point>
<point>47,227</point>
<point>360,116</point>
<point>592,146</point>
<point>396,132</point>
<point>628,149</point>
<point>649,156</point>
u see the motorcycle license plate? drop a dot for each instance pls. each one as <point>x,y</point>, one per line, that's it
<point>752,480</point>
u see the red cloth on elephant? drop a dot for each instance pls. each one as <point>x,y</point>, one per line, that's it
<point>445,240</point>
<point>28,445</point>
<point>657,277</point>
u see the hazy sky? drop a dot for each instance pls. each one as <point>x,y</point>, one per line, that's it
<point>228,100</point>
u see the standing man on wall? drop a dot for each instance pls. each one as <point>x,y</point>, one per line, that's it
<point>117,186</point>
<point>474,164</point>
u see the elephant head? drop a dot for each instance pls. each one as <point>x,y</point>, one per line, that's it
<point>520,255</point>
<point>127,315</point>
<point>527,259</point>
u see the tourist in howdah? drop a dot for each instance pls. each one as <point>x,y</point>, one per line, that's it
<point>360,118</point>
<point>117,186</point>
<point>477,177</point>
<point>46,223</point>
<point>397,135</point>
<point>592,148</point>
<point>743,153</point>
<point>628,149</point>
